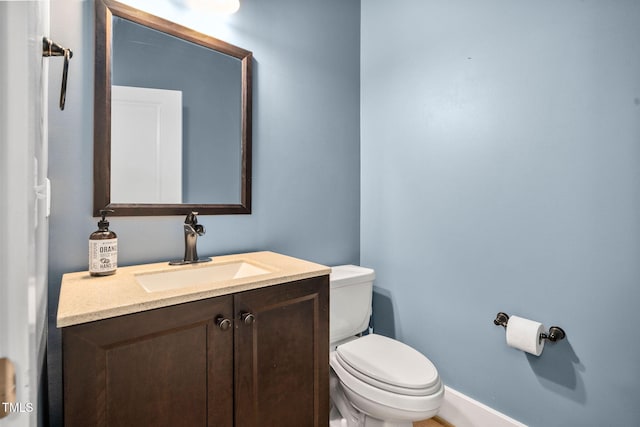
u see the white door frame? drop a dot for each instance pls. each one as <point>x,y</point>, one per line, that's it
<point>23,223</point>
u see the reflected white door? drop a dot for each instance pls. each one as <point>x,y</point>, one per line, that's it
<point>23,201</point>
<point>146,145</point>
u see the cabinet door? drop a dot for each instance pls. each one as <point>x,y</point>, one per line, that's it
<point>171,366</point>
<point>282,356</point>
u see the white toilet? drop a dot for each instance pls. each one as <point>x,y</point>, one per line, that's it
<point>375,381</point>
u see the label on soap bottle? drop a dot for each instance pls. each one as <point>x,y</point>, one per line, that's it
<point>103,255</point>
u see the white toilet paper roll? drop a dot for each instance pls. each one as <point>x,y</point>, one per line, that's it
<point>524,334</point>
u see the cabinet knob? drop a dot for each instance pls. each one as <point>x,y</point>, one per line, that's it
<point>223,323</point>
<point>247,318</point>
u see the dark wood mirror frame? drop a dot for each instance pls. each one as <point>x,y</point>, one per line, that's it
<point>105,10</point>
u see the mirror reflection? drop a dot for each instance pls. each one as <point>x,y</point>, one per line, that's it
<point>175,119</point>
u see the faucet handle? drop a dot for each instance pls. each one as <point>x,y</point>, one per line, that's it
<point>192,221</point>
<point>191,218</point>
<point>199,229</point>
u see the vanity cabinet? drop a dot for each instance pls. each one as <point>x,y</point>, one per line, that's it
<point>249,359</point>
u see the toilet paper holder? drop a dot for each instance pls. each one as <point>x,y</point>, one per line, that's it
<point>556,333</point>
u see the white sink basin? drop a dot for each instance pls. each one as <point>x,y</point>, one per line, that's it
<point>198,275</point>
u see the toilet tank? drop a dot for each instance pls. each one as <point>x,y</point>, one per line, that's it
<point>351,290</point>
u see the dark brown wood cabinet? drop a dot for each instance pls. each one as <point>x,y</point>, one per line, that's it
<point>180,366</point>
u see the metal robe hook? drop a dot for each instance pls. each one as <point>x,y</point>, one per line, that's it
<point>50,48</point>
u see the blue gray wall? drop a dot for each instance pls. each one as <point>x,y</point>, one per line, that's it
<point>501,172</point>
<point>306,177</point>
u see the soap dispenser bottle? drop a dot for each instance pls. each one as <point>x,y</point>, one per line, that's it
<point>103,248</point>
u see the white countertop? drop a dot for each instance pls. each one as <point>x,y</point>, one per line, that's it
<point>85,298</point>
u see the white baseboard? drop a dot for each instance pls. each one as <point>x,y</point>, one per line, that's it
<point>462,411</point>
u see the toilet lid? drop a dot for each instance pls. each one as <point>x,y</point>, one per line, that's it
<point>391,362</point>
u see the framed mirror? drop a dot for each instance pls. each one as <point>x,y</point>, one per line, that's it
<point>172,118</point>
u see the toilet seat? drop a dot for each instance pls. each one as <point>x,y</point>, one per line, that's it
<point>389,364</point>
<point>386,386</point>
<point>389,373</point>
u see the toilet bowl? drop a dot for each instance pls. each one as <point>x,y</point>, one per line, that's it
<point>376,381</point>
